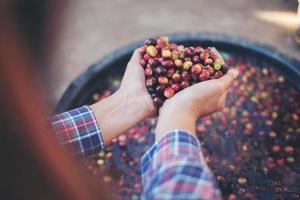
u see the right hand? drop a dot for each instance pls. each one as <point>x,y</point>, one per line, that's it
<point>183,109</point>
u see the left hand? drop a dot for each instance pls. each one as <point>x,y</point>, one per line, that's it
<point>128,105</point>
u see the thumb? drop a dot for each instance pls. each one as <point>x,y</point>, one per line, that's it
<point>227,80</point>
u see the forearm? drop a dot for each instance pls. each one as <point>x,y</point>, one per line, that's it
<point>118,112</point>
<point>174,168</point>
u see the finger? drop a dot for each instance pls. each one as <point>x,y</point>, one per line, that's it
<point>133,67</point>
<point>215,51</point>
<point>135,58</point>
<point>227,80</point>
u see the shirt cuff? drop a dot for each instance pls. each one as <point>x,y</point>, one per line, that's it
<point>78,130</point>
<point>175,143</point>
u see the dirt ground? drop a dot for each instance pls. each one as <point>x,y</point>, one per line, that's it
<point>94,28</point>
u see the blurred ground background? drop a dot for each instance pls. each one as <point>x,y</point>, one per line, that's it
<point>94,28</point>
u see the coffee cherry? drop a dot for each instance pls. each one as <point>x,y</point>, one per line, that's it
<point>196,59</point>
<point>151,50</point>
<point>232,197</point>
<point>190,51</point>
<point>217,64</point>
<point>196,69</point>
<point>163,80</point>
<point>170,72</point>
<point>204,55</point>
<point>167,63</point>
<point>146,57</point>
<point>198,50</point>
<point>176,77</point>
<point>166,53</point>
<point>276,148</point>
<point>210,69</point>
<point>163,40</point>
<point>148,72</point>
<point>280,162</point>
<point>204,75</point>
<point>175,55</point>
<point>187,59</point>
<point>150,41</point>
<point>289,149</point>
<point>178,63</point>
<point>184,84</point>
<point>208,61</point>
<point>157,102</point>
<point>218,74</point>
<point>185,76</point>
<point>153,62</point>
<point>194,77</point>
<point>169,92</point>
<point>142,50</point>
<point>143,63</point>
<point>187,65</point>
<point>175,87</point>
<point>160,70</point>
<point>150,81</point>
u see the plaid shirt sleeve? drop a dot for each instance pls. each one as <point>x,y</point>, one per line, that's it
<point>174,168</point>
<point>78,130</point>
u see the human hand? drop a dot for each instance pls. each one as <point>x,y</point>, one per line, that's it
<point>182,110</point>
<point>130,104</point>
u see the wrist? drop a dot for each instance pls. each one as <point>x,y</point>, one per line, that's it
<point>173,117</point>
<point>119,112</point>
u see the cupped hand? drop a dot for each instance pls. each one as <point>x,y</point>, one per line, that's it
<point>130,104</point>
<point>204,98</point>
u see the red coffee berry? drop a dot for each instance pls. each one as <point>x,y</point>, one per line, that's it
<point>163,80</point>
<point>150,81</point>
<point>196,59</point>
<point>169,92</point>
<point>143,63</point>
<point>289,149</point>
<point>185,76</point>
<point>175,87</point>
<point>184,84</point>
<point>204,75</point>
<point>176,77</point>
<point>276,148</point>
<point>197,68</point>
<point>210,69</point>
<point>204,55</point>
<point>218,74</point>
<point>163,40</point>
<point>170,72</point>
<point>148,71</point>
<point>178,63</point>
<point>146,57</point>
<point>142,50</point>
<point>208,61</point>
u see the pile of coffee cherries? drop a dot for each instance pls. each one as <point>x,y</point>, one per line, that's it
<point>252,146</point>
<point>170,68</point>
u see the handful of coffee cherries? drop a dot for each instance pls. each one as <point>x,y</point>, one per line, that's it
<point>169,68</point>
